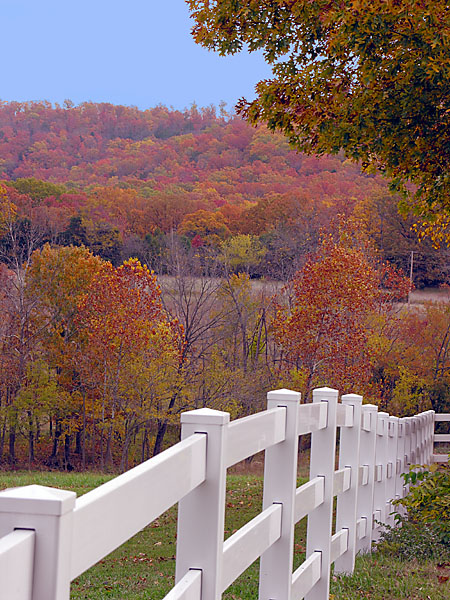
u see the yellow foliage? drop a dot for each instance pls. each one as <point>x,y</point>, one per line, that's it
<point>8,210</point>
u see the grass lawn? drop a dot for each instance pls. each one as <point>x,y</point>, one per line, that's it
<point>144,567</point>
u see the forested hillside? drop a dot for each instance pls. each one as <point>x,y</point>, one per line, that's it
<point>125,178</point>
<point>273,269</point>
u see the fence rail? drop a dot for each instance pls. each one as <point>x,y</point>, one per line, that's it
<point>48,537</point>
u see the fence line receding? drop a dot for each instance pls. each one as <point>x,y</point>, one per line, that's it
<point>48,536</point>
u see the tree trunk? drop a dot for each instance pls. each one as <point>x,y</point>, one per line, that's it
<point>83,446</point>
<point>125,450</point>
<point>108,452</point>
<point>53,458</point>
<point>30,439</point>
<point>12,445</point>
<point>161,432</point>
<point>145,450</point>
<point>2,439</point>
<point>67,464</point>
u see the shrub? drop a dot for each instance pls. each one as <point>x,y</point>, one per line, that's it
<point>423,526</point>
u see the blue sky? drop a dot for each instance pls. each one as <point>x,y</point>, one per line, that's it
<point>137,52</point>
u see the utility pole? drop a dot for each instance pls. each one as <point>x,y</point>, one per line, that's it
<point>410,277</point>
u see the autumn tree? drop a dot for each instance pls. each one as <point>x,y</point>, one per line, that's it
<point>102,238</point>
<point>225,348</point>
<point>324,329</point>
<point>9,372</point>
<point>209,226</point>
<point>189,294</point>
<point>19,238</point>
<point>56,281</point>
<point>37,189</point>
<point>133,349</point>
<point>411,358</point>
<point>242,252</point>
<point>8,211</point>
<point>371,78</point>
<point>167,209</point>
<point>36,403</point>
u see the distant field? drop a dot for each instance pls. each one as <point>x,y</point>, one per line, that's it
<point>427,294</point>
<point>271,287</point>
<point>143,568</point>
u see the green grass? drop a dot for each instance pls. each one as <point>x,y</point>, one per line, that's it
<point>144,567</point>
<point>379,577</point>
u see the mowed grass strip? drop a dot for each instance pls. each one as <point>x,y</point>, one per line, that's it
<point>144,567</point>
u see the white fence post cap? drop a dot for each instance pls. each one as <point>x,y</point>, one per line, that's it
<point>351,399</point>
<point>38,500</point>
<point>208,416</point>
<point>371,407</point>
<point>284,395</point>
<point>326,391</point>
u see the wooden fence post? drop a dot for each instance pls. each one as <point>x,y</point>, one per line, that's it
<point>49,512</point>
<point>201,513</point>
<point>347,501</point>
<point>323,448</point>
<point>280,482</point>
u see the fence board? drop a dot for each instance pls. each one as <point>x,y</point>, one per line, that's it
<point>344,415</point>
<point>361,528</point>
<point>109,515</point>
<point>378,473</point>
<point>308,497</point>
<point>376,519</point>
<point>246,545</point>
<point>16,564</point>
<point>339,544</point>
<point>366,421</point>
<point>312,417</point>
<point>188,588</point>
<point>363,474</point>
<point>341,480</point>
<point>252,434</point>
<point>306,576</point>
<point>440,458</point>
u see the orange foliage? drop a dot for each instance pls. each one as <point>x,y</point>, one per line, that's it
<point>324,333</point>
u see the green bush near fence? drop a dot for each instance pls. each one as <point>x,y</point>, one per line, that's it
<point>424,531</point>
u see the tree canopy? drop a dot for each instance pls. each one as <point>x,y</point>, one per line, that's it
<point>369,77</point>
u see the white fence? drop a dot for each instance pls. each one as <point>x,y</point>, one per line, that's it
<point>48,537</point>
